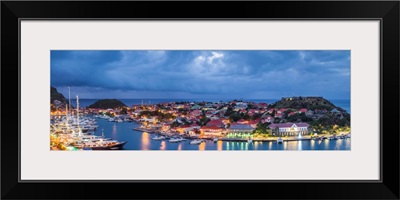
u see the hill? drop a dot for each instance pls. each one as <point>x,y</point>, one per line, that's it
<point>332,117</point>
<point>311,103</point>
<point>107,103</point>
<point>55,95</point>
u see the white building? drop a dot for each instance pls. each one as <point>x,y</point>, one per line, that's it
<point>290,129</point>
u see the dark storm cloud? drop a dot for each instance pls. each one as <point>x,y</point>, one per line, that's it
<point>252,74</point>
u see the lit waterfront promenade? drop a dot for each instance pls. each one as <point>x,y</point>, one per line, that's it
<point>269,139</point>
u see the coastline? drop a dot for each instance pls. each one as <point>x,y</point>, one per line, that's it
<point>272,139</point>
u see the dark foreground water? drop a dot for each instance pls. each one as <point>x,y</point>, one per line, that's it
<point>137,140</point>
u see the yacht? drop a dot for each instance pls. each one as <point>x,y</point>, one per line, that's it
<point>196,141</point>
<point>174,140</point>
<point>111,119</point>
<point>158,138</point>
<point>249,141</point>
<point>119,120</point>
<point>105,145</point>
<point>215,140</point>
<point>279,140</point>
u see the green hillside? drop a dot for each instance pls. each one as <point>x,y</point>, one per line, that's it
<point>311,103</point>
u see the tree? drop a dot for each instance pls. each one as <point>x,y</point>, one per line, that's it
<point>256,116</point>
<point>228,112</point>
<point>123,111</point>
<point>263,128</point>
<point>174,124</point>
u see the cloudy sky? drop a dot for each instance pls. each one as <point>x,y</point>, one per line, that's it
<point>244,74</point>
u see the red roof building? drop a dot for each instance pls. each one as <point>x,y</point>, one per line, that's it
<point>242,121</point>
<point>216,122</point>
<point>303,110</point>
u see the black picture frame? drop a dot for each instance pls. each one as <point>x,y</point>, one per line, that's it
<point>386,11</point>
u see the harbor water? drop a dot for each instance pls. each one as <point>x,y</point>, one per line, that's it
<point>137,140</point>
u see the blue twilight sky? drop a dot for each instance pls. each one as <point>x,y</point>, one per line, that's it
<point>223,74</point>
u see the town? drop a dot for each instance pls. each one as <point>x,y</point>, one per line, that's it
<point>233,120</point>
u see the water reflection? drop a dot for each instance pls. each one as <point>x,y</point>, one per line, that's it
<point>326,144</point>
<point>114,130</point>
<point>299,147</point>
<point>180,146</point>
<point>219,145</point>
<point>202,146</point>
<point>338,144</point>
<point>227,145</point>
<point>163,145</point>
<point>145,141</point>
<point>347,144</point>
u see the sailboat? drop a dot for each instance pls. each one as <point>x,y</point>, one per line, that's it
<point>94,142</point>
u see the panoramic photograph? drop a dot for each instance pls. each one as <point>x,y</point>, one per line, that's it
<point>195,100</point>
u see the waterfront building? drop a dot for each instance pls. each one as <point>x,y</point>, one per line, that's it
<point>185,129</point>
<point>240,128</point>
<point>211,130</point>
<point>166,126</point>
<point>289,129</point>
<point>254,123</point>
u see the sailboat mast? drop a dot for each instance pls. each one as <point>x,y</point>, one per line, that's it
<point>77,110</point>
<point>66,114</point>
<point>69,96</point>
